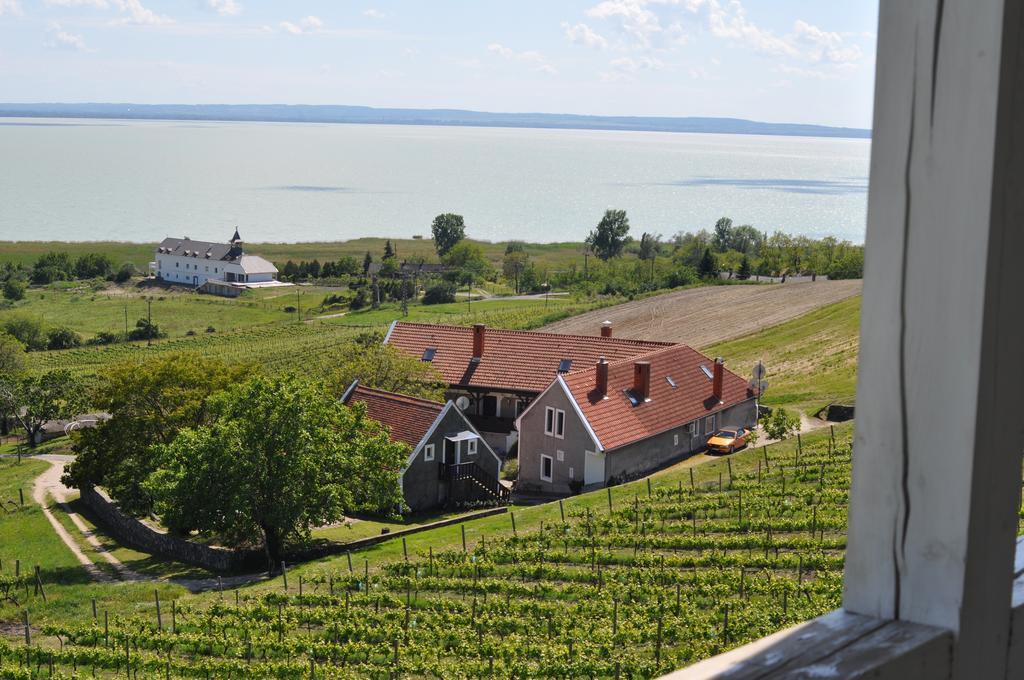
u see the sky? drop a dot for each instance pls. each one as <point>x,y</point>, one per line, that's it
<point>799,61</point>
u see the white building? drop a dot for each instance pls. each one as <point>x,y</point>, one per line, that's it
<point>194,263</point>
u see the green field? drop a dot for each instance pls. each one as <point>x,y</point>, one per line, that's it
<point>811,360</point>
<point>642,579</point>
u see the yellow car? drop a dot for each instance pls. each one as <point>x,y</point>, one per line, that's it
<point>728,440</point>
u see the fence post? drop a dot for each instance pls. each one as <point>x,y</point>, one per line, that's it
<point>284,574</point>
<point>159,619</point>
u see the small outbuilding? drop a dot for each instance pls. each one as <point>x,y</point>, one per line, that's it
<point>449,462</point>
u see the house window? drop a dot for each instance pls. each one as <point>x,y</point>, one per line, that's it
<point>470,447</point>
<point>692,429</point>
<point>549,420</point>
<point>572,474</point>
<point>546,465</point>
<point>560,423</point>
<point>560,455</point>
<point>675,440</point>
<point>176,264</point>
<point>428,452</point>
<point>214,270</point>
<point>709,424</point>
<point>207,268</point>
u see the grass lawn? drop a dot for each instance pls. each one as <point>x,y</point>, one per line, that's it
<point>811,360</point>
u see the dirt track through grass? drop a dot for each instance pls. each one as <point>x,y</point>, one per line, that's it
<point>704,316</point>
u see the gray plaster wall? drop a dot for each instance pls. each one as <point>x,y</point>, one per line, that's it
<point>533,443</point>
<point>421,484</point>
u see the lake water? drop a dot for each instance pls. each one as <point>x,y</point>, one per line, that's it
<point>85,180</point>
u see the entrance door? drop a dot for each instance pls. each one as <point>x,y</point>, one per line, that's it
<point>593,468</point>
<point>490,406</point>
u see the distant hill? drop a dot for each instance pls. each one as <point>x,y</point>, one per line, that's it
<point>365,114</point>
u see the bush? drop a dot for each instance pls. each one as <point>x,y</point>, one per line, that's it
<point>105,338</point>
<point>439,294</point>
<point>145,330</point>
<point>62,338</point>
<point>14,289</point>
<point>211,329</point>
<point>190,333</point>
<point>510,469</point>
<point>126,272</point>
<point>360,300</point>
<point>780,424</point>
<point>28,331</point>
<point>289,309</point>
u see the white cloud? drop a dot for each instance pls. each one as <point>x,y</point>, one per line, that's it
<point>631,65</point>
<point>582,34</point>
<point>825,45</point>
<point>732,23</point>
<point>139,15</point>
<point>98,4</point>
<point>632,16</point>
<point>375,13</point>
<point>10,7</point>
<point>61,39</point>
<point>226,8</point>
<point>310,24</point>
<point>532,58</point>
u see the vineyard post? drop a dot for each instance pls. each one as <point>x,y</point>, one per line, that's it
<point>648,487</point>
<point>159,618</point>
<point>725,626</point>
<point>657,649</point>
<point>431,549</point>
<point>615,616</point>
<point>39,584</point>
<point>814,521</point>
<point>28,631</point>
<point>21,497</point>
<point>174,616</point>
<point>719,481</point>
<point>743,583</point>
<point>17,568</point>
<point>758,471</point>
<point>510,514</point>
<point>764,448</point>
<point>832,430</point>
<point>300,585</point>
<point>561,511</point>
<point>692,485</point>
<point>366,575</point>
<point>680,489</point>
<point>679,593</point>
<point>349,556</point>
<point>800,571</point>
<point>405,549</point>
<point>728,461</point>
<point>799,446</point>
<point>284,574</point>
<point>237,597</point>
<point>94,617</point>
<point>220,586</point>
<point>463,527</point>
<point>610,499</point>
<point>106,629</point>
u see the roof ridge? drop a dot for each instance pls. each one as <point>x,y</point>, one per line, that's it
<point>652,353</point>
<point>398,396</point>
<point>599,338</point>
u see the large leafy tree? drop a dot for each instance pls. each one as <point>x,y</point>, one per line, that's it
<point>723,234</point>
<point>36,400</point>
<point>608,239</point>
<point>708,266</point>
<point>12,366</point>
<point>514,263</point>
<point>383,367</point>
<point>280,457</point>
<point>447,230</point>
<point>149,403</point>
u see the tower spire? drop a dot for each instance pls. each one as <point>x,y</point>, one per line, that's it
<point>236,238</point>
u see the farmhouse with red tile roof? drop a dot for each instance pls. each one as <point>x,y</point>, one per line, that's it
<point>494,374</point>
<point>449,462</point>
<point>618,420</point>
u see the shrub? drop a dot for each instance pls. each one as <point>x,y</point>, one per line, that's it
<point>190,332</point>
<point>289,309</point>
<point>105,338</point>
<point>510,469</point>
<point>211,329</point>
<point>28,330</point>
<point>780,424</point>
<point>360,300</point>
<point>146,330</point>
<point>126,272</point>
<point>14,289</point>
<point>439,294</point>
<point>62,338</point>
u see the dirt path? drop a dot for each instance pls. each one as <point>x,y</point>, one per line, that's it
<point>704,316</point>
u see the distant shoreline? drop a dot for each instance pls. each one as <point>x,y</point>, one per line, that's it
<point>273,113</point>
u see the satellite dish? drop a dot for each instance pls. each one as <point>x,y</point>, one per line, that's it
<point>759,372</point>
<point>462,403</point>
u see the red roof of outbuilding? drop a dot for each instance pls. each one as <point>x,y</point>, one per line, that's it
<point>514,360</point>
<point>408,418</point>
<point>615,420</point>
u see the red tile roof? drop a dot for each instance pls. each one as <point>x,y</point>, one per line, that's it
<point>408,418</point>
<point>513,360</point>
<point>616,422</point>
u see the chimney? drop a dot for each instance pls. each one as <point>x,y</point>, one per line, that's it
<point>642,379</point>
<point>602,377</point>
<point>478,341</point>
<point>606,329</point>
<point>716,383</point>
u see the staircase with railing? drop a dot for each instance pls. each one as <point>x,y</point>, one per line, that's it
<point>478,477</point>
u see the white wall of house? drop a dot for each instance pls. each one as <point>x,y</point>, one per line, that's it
<point>191,271</point>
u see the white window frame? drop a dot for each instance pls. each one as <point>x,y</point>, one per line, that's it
<point>560,455</point>
<point>559,423</point>
<point>549,420</point>
<point>713,419</point>
<point>551,466</point>
<point>675,439</point>
<point>470,447</point>
<point>428,453</point>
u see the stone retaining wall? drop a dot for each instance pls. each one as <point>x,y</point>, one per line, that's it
<point>135,534</point>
